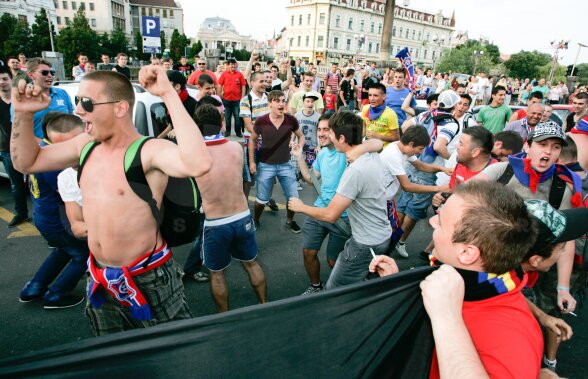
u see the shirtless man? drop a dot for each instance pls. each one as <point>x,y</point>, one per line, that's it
<point>122,231</point>
<point>229,230</point>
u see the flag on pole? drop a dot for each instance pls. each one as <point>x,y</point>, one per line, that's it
<point>406,60</point>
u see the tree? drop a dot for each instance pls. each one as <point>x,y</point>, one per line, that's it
<point>583,73</point>
<point>8,24</point>
<point>40,40</point>
<point>526,64</point>
<point>78,37</point>
<point>104,43</point>
<point>19,40</point>
<point>462,59</point>
<point>119,42</point>
<point>162,37</point>
<point>241,55</point>
<point>195,49</point>
<point>177,45</point>
<point>140,55</point>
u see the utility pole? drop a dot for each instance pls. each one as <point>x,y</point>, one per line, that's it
<point>387,31</point>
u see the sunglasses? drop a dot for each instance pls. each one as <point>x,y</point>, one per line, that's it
<point>201,64</point>
<point>88,105</point>
<point>47,72</point>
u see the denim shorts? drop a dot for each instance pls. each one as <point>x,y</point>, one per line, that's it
<point>314,233</point>
<point>415,205</point>
<point>164,291</point>
<point>227,237</point>
<point>265,178</point>
<point>247,177</point>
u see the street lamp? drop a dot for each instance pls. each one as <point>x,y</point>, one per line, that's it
<point>477,55</point>
<point>360,38</point>
<point>438,40</point>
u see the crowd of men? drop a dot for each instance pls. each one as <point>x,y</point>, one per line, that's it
<point>376,165</point>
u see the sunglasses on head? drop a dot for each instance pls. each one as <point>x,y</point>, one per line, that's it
<point>88,105</point>
<point>47,72</point>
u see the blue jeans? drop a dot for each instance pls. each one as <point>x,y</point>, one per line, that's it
<point>62,269</point>
<point>232,109</point>
<point>194,261</point>
<point>266,173</point>
<point>17,185</point>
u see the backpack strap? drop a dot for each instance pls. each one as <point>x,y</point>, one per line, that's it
<point>250,103</point>
<point>556,192</point>
<point>136,176</point>
<point>86,151</point>
<point>506,175</point>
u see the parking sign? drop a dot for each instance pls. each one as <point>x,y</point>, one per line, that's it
<point>151,34</point>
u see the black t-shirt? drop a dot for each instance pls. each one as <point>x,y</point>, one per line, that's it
<point>347,91</point>
<point>366,84</point>
<point>5,126</point>
<point>570,123</point>
<point>123,70</point>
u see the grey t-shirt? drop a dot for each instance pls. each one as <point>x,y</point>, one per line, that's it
<point>363,182</point>
<point>495,171</point>
<point>308,125</point>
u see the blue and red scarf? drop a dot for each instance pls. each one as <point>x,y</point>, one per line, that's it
<point>581,127</point>
<point>374,112</point>
<point>119,282</point>
<point>529,177</point>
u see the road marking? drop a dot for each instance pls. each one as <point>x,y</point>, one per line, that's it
<point>281,206</point>
<point>26,229</point>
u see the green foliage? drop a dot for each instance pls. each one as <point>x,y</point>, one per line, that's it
<point>104,42</point>
<point>526,64</point>
<point>177,45</point>
<point>490,50</point>
<point>118,43</point>
<point>241,55</point>
<point>462,60</point>
<point>195,49</point>
<point>583,73</point>
<point>163,45</point>
<point>18,39</point>
<point>40,40</point>
<point>8,24</point>
<point>139,44</point>
<point>78,37</point>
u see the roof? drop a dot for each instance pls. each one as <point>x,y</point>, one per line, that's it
<point>155,3</point>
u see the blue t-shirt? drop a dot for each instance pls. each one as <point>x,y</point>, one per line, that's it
<point>394,100</point>
<point>330,164</point>
<point>60,102</point>
<point>48,209</point>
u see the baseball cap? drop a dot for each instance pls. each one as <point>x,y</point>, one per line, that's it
<point>309,95</point>
<point>546,130</point>
<point>555,226</point>
<point>448,99</point>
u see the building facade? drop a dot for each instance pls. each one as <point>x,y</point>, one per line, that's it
<point>338,30</point>
<point>26,10</point>
<point>170,13</point>
<point>104,16</point>
<point>217,32</point>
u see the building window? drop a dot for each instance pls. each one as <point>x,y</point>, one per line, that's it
<point>307,42</point>
<point>93,22</point>
<point>300,20</point>
<point>91,6</point>
<point>379,28</point>
<point>55,4</point>
<point>74,6</point>
<point>336,42</point>
<point>64,3</point>
<point>401,30</point>
<point>433,55</point>
<point>406,36</point>
<point>157,11</point>
<point>370,48</point>
<point>420,35</point>
<point>348,44</point>
<point>397,49</point>
<point>83,6</point>
<point>361,25</point>
<point>171,13</point>
<point>428,37</point>
<point>58,20</point>
<point>308,19</point>
<point>416,53</point>
<point>350,23</point>
<point>143,12</point>
<point>372,27</point>
<point>338,21</point>
<point>319,41</point>
<point>150,11</point>
<point>394,31</point>
<point>321,19</point>
<point>292,21</point>
<point>67,21</point>
<point>377,48</point>
<point>425,54</point>
<point>413,33</point>
<point>299,39</point>
<point>165,13</point>
<point>291,42</point>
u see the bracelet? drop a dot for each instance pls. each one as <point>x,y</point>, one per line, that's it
<point>563,288</point>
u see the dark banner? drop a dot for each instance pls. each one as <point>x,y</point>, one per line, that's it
<point>377,328</point>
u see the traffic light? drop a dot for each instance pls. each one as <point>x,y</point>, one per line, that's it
<point>569,71</point>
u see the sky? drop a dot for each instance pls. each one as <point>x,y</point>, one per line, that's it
<point>513,25</point>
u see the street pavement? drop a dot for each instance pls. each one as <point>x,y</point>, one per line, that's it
<point>28,327</point>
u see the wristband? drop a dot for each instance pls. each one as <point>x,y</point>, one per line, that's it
<point>563,288</point>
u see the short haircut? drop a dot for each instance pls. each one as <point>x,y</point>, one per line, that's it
<point>498,88</point>
<point>176,77</point>
<point>6,70</point>
<point>346,123</point>
<point>432,97</point>
<point>116,86</point>
<point>325,116</point>
<point>121,55</point>
<point>80,54</point>
<point>204,79</point>
<point>544,251</point>
<point>536,95</point>
<point>274,66</point>
<point>350,72</point>
<point>274,95</point>
<point>582,96</point>
<point>209,100</point>
<point>33,63</point>
<point>467,97</point>
<point>416,134</point>
<point>166,60</point>
<point>379,86</point>
<point>105,54</point>
<point>254,75</point>
<point>308,73</point>
<point>481,137</point>
<point>400,70</point>
<point>460,85</point>
<point>505,215</point>
<point>208,119</point>
<point>569,152</point>
<point>59,122</point>
<point>511,140</point>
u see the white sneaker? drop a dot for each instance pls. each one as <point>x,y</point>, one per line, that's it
<point>401,249</point>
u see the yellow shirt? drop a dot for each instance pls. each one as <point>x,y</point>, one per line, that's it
<point>385,124</point>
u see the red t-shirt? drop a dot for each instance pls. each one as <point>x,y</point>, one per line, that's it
<point>232,83</point>
<point>532,277</point>
<point>275,145</point>
<point>329,102</point>
<point>505,334</point>
<point>193,79</point>
<point>462,174</point>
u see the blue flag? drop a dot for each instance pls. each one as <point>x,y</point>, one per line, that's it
<point>406,60</point>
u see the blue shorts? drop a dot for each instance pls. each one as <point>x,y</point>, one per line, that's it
<point>266,173</point>
<point>415,205</point>
<point>227,237</point>
<point>247,177</point>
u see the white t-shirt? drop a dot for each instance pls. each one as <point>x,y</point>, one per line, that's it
<point>67,185</point>
<point>393,161</point>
